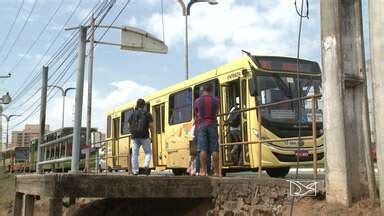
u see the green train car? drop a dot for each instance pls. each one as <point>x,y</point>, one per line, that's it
<point>61,149</point>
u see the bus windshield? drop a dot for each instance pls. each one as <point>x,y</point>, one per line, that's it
<point>284,119</point>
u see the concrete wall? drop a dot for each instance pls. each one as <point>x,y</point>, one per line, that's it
<point>230,196</point>
<point>250,197</point>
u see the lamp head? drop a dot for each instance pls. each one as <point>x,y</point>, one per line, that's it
<point>212,2</point>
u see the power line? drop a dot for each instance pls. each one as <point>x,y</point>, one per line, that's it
<point>98,7</point>
<point>60,77</point>
<point>19,34</point>
<point>72,51</point>
<point>114,20</point>
<point>38,37</point>
<point>31,82</point>
<point>21,89</point>
<point>12,26</point>
<point>50,77</point>
<point>298,87</point>
<point>37,108</point>
<point>56,82</point>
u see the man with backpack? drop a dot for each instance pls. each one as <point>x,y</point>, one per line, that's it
<point>140,123</point>
<point>234,122</point>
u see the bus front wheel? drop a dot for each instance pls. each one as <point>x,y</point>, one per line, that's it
<point>280,172</point>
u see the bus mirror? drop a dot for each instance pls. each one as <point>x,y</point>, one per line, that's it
<point>252,86</point>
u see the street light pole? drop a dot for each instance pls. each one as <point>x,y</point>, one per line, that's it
<point>186,13</point>
<point>64,94</point>
<point>7,118</point>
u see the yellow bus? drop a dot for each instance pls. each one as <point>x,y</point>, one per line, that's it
<point>15,159</point>
<point>250,80</point>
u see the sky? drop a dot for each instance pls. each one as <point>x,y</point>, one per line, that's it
<point>217,33</point>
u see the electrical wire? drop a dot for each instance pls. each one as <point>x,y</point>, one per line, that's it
<point>298,86</point>
<point>37,108</point>
<point>65,70</point>
<point>20,32</point>
<point>56,82</point>
<point>21,90</point>
<point>34,80</point>
<point>38,37</point>
<point>114,20</point>
<point>12,26</point>
<point>49,78</point>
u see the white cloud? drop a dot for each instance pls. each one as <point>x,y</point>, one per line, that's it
<point>220,32</point>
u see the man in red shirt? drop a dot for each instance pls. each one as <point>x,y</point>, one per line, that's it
<point>206,110</point>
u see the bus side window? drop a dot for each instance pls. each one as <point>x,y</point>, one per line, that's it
<point>180,107</point>
<point>124,120</point>
<point>108,126</point>
<point>198,89</point>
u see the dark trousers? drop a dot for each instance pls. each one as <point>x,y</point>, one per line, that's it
<point>235,136</point>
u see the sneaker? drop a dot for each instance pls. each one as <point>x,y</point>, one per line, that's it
<point>147,171</point>
<point>135,174</point>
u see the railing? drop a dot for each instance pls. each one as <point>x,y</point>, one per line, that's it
<point>96,160</point>
<point>116,144</point>
<point>260,140</point>
<point>50,143</point>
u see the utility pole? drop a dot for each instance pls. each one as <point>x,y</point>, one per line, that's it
<point>361,91</point>
<point>376,23</point>
<point>43,107</point>
<point>79,101</point>
<point>336,154</point>
<point>89,103</point>
<point>349,171</point>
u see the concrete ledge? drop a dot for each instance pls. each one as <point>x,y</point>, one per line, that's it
<point>113,186</point>
<point>250,195</point>
<point>124,186</point>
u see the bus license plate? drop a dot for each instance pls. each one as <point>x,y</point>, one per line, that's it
<point>301,153</point>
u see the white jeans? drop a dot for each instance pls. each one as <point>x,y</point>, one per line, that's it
<point>136,143</point>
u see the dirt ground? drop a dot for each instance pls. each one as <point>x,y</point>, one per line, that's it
<point>311,206</point>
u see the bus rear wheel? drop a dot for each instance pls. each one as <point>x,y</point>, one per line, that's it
<point>280,172</point>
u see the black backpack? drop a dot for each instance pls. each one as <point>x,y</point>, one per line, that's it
<point>234,118</point>
<point>138,124</point>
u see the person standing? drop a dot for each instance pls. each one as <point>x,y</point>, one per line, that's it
<point>234,121</point>
<point>206,110</point>
<point>140,124</point>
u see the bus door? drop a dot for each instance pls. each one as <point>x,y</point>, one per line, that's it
<point>115,141</point>
<point>244,120</point>
<point>159,157</point>
<point>224,131</point>
<point>234,94</point>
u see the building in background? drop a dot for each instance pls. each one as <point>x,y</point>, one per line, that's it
<point>23,138</point>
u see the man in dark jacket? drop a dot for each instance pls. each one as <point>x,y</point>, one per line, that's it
<point>140,123</point>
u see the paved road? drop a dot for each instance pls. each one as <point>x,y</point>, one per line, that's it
<point>303,173</point>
